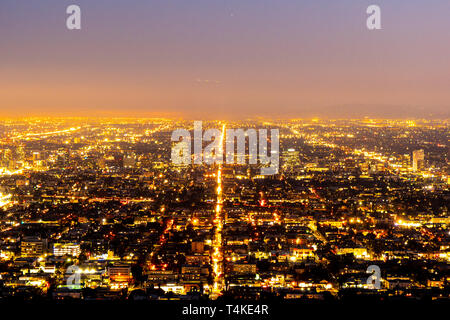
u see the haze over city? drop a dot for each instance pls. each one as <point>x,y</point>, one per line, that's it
<point>225,59</point>
<point>224,158</point>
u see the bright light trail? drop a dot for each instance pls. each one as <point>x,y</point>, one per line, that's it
<point>217,255</point>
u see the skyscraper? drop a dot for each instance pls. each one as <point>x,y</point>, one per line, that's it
<point>290,160</point>
<point>418,160</point>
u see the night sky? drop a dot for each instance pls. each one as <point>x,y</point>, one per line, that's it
<point>211,59</point>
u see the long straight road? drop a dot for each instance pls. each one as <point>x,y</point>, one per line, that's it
<point>217,253</point>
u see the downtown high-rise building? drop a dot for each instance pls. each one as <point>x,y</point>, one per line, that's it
<point>418,160</point>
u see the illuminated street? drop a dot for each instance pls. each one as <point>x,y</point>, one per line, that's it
<point>217,254</point>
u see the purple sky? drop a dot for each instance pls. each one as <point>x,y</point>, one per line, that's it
<point>225,59</point>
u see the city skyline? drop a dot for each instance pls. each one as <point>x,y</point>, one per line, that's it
<point>224,158</point>
<point>98,210</point>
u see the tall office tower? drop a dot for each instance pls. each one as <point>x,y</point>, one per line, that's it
<point>405,160</point>
<point>290,160</point>
<point>20,153</point>
<point>418,160</point>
